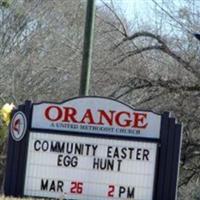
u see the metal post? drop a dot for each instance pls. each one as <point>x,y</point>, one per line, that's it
<point>87,48</point>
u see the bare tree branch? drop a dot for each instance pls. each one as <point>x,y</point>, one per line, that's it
<point>162,47</point>
<point>124,32</point>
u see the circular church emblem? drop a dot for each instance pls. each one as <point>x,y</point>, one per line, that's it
<point>18,126</point>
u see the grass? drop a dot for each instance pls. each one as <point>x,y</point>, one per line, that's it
<point>13,198</point>
<point>9,198</point>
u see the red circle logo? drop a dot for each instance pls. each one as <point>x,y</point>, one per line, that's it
<point>18,126</point>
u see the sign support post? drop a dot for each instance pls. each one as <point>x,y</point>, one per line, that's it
<point>87,48</point>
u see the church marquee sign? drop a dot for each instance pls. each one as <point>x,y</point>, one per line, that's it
<point>92,148</point>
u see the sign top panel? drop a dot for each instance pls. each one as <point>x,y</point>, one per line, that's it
<point>96,115</point>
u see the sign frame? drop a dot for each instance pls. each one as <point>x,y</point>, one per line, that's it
<point>167,158</point>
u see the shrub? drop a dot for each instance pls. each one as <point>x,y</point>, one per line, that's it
<point>5,112</point>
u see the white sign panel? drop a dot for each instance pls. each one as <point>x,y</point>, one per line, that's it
<point>88,168</point>
<point>97,116</point>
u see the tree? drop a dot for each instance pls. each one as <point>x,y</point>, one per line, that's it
<point>148,65</point>
<point>36,32</point>
<point>40,52</point>
<point>159,72</point>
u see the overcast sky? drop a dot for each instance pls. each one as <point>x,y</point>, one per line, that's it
<point>130,7</point>
<point>144,8</point>
<point>149,12</point>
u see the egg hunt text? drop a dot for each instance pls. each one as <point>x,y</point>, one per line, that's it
<point>68,154</point>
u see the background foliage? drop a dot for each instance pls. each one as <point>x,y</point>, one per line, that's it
<point>3,142</point>
<point>148,63</point>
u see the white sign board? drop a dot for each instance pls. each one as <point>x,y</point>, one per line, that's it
<point>89,168</point>
<point>96,116</point>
